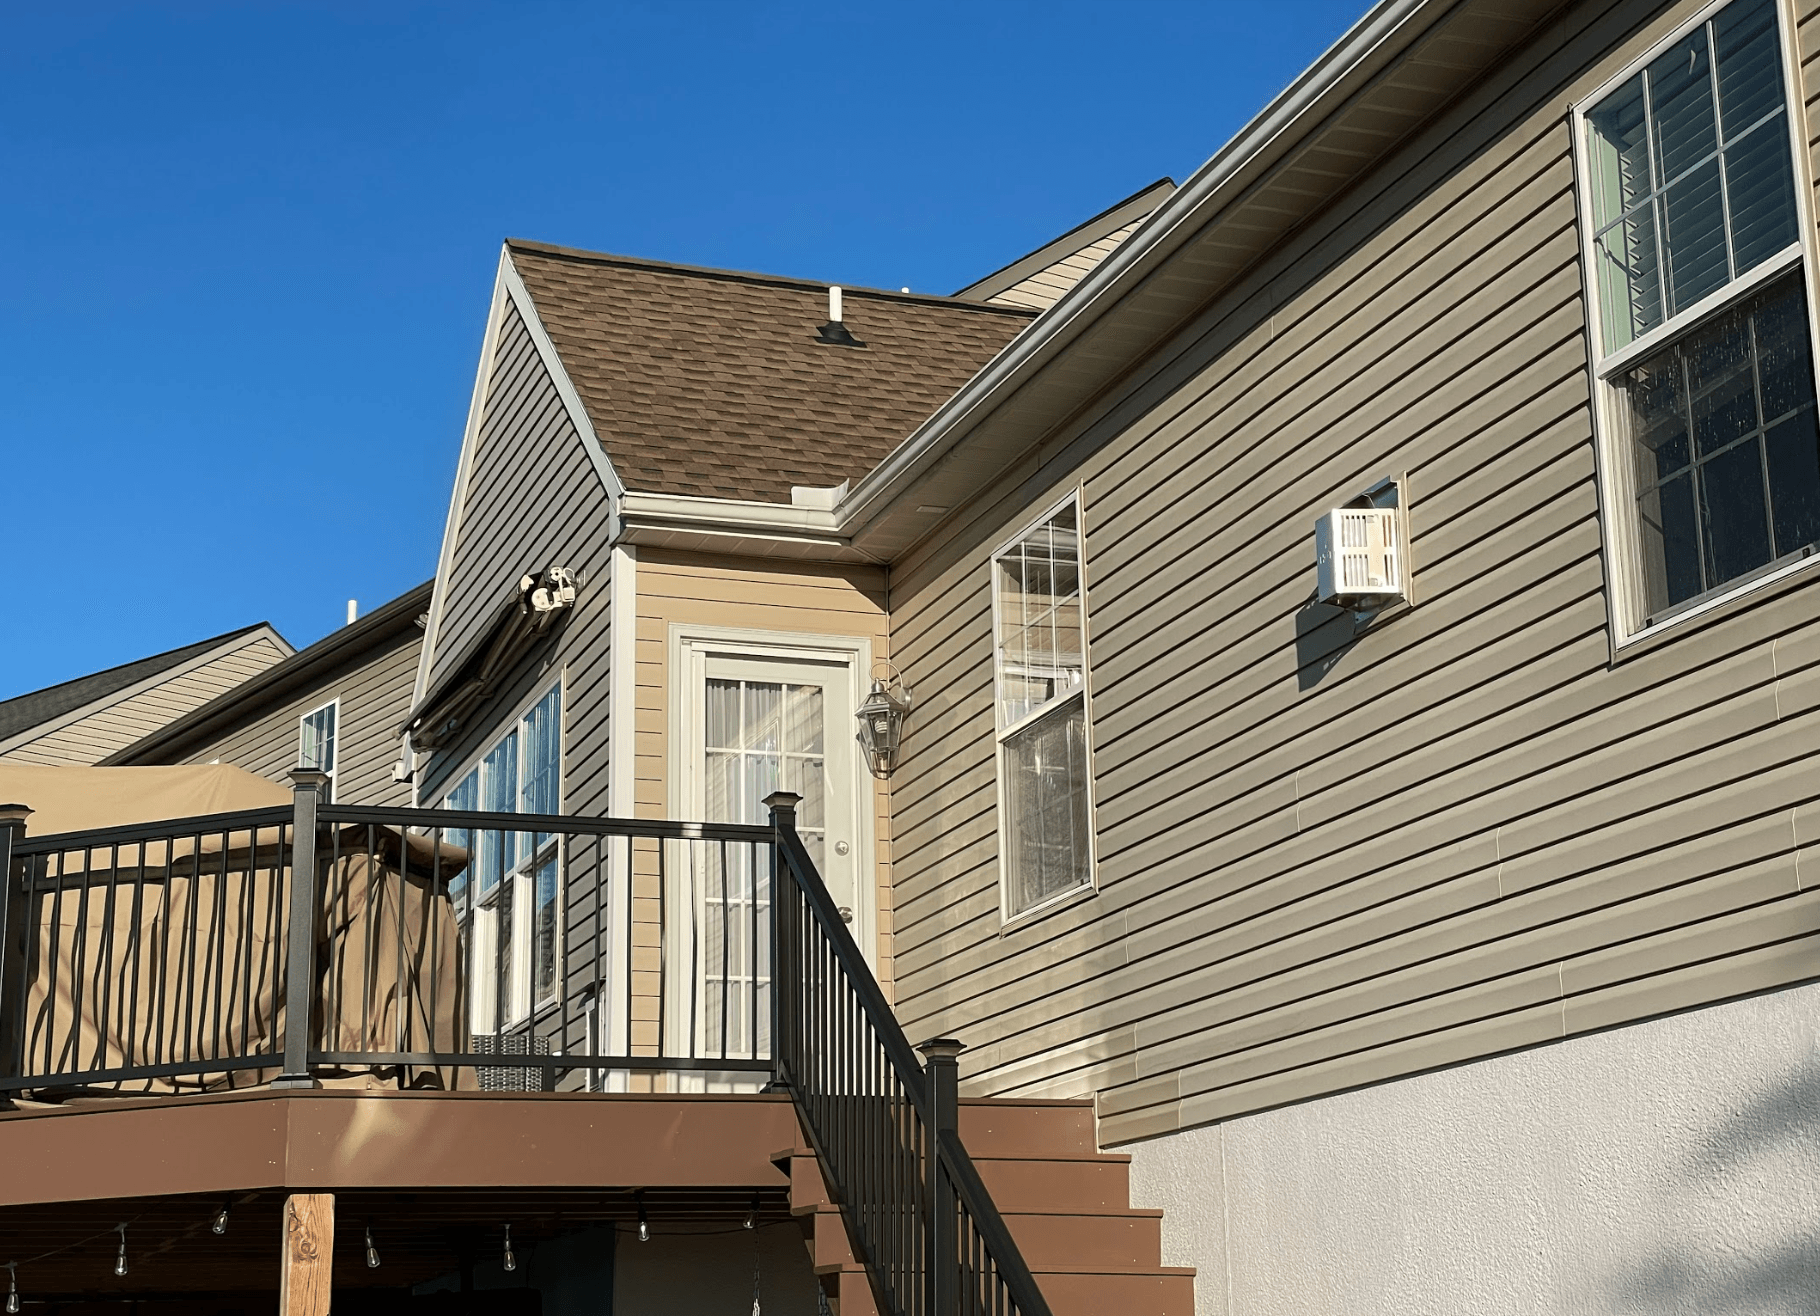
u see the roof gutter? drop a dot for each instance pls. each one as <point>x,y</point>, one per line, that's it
<point>1374,42</point>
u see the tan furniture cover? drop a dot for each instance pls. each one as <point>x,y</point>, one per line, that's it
<point>168,950</point>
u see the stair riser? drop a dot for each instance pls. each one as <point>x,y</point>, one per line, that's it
<point>999,1130</point>
<point>1057,1186</point>
<point>1088,1242</point>
<point>1118,1295</point>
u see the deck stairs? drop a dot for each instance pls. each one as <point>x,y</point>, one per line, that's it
<point>1066,1203</point>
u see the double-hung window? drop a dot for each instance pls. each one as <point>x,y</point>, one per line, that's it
<point>316,741</point>
<point>1701,317</point>
<point>1040,679</point>
<point>513,883</point>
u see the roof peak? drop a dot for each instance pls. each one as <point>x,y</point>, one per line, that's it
<point>818,286</point>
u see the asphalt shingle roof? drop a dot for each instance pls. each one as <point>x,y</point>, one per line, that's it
<point>713,383</point>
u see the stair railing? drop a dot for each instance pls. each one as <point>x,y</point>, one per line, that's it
<point>883,1126</point>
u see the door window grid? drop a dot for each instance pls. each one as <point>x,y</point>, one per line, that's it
<point>759,737</point>
<point>1716,468</point>
<point>1046,843</point>
<point>510,871</point>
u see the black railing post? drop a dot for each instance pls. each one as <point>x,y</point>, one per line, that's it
<point>942,1073</point>
<point>784,967</point>
<point>300,943</point>
<point>14,912</point>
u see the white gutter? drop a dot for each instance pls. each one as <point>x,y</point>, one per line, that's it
<point>1370,45</point>
<point>1215,184</point>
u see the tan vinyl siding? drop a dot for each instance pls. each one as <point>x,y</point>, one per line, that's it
<point>374,697</point>
<point>699,590</point>
<point>1045,288</point>
<point>1324,863</point>
<point>98,733</point>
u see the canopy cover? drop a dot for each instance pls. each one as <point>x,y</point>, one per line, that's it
<point>82,799</point>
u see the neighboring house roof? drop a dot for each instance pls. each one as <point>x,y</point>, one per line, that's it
<point>278,682</point>
<point>713,383</point>
<point>24,712</point>
<point>1040,278</point>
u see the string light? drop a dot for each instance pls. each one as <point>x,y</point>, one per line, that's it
<point>752,1213</point>
<point>220,1225</point>
<point>12,1288</point>
<point>120,1257</point>
<point>644,1223</point>
<point>511,1261</point>
<point>372,1252</point>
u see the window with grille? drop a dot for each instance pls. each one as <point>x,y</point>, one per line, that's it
<point>316,736</point>
<point>1701,317</point>
<point>1045,779</point>
<point>513,883</point>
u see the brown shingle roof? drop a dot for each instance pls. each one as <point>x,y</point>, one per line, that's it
<point>712,383</point>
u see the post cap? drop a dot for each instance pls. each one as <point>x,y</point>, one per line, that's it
<point>782,800</point>
<point>942,1048</point>
<point>308,778</point>
<point>14,815</point>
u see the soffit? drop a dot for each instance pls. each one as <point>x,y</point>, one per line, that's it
<point>1200,244</point>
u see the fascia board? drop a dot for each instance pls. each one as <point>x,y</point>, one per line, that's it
<point>1373,43</point>
<point>565,387</point>
<point>464,468</point>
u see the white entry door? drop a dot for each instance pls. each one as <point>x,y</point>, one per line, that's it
<point>754,725</point>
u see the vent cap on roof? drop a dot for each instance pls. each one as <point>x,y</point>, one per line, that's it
<point>835,333</point>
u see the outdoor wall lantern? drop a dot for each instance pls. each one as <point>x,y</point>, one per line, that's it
<point>881,721</point>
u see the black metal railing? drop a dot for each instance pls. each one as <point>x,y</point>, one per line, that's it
<point>441,949</point>
<point>883,1126</point>
<point>458,949</point>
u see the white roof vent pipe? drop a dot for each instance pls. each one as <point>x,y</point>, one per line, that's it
<point>835,333</point>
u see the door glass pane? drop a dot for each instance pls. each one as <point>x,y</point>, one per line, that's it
<point>498,794</point>
<point>544,893</point>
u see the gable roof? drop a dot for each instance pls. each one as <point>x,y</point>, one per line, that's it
<point>1120,215</point>
<point>281,680</point>
<point>23,712</point>
<point>713,383</point>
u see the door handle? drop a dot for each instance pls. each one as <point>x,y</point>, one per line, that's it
<point>846,913</point>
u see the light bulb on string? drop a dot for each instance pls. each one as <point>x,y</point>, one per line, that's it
<point>219,1226</point>
<point>12,1288</point>
<point>752,1213</point>
<point>120,1256</point>
<point>372,1252</point>
<point>644,1222</point>
<point>511,1260</point>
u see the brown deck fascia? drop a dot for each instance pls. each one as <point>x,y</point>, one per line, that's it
<point>329,1140</point>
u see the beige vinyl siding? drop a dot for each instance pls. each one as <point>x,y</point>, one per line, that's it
<point>98,733</point>
<point>533,500</point>
<point>374,697</point>
<point>1324,863</point>
<point>1045,288</point>
<point>700,590</point>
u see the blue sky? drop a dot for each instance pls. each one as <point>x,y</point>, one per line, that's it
<point>248,248</point>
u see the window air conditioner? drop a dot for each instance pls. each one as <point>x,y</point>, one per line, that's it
<point>1358,562</point>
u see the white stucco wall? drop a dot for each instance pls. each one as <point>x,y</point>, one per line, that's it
<point>1669,1167</point>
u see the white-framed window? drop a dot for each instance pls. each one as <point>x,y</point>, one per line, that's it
<point>1697,259</point>
<point>513,885</point>
<point>1045,777</point>
<point>316,740</point>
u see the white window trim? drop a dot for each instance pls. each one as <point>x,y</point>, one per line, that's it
<point>1624,613</point>
<point>303,720</point>
<point>521,985</point>
<point>1003,730</point>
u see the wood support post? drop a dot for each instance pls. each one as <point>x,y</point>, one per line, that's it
<point>309,1254</point>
